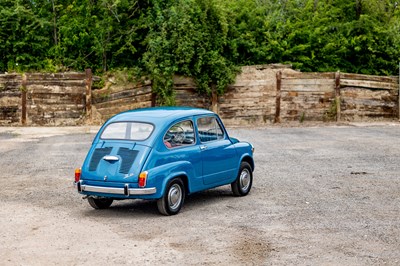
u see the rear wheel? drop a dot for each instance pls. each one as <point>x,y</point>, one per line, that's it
<point>242,185</point>
<point>100,203</point>
<point>173,198</point>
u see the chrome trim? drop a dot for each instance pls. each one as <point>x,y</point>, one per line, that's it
<point>110,158</point>
<point>120,191</point>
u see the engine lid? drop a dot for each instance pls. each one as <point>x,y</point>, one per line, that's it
<point>115,161</point>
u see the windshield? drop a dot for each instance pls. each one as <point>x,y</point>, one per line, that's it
<point>127,131</point>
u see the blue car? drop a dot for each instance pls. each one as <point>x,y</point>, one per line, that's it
<point>163,154</point>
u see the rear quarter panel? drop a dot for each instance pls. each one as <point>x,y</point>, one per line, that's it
<point>164,164</point>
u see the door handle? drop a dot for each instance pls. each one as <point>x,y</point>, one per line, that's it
<point>203,147</point>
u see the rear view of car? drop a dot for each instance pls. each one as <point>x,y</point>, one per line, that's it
<point>163,154</point>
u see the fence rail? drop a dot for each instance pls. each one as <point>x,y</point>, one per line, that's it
<point>260,95</point>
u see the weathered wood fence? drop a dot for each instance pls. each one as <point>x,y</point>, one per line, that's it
<point>270,94</point>
<point>42,99</point>
<point>260,95</point>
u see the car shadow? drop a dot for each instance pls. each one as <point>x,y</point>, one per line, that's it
<point>145,208</point>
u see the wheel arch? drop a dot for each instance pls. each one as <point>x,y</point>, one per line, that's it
<point>185,181</point>
<point>249,160</point>
<point>182,176</point>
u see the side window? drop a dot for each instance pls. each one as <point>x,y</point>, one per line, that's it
<point>180,134</point>
<point>209,129</point>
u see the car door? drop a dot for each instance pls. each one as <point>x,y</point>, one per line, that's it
<point>217,152</point>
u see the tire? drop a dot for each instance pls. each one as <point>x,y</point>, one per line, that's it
<point>100,203</point>
<point>242,185</point>
<point>173,198</point>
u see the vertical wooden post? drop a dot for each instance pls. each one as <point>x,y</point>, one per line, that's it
<point>337,95</point>
<point>153,99</point>
<point>399,93</point>
<point>23,99</point>
<point>278,97</point>
<point>89,81</point>
<point>214,99</point>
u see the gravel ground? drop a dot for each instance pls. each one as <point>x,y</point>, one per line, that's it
<point>325,195</point>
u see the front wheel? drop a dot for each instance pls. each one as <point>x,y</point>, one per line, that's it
<point>100,203</point>
<point>173,198</point>
<point>242,185</point>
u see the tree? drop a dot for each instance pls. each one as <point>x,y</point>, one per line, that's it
<point>187,37</point>
<point>203,39</point>
<point>24,38</point>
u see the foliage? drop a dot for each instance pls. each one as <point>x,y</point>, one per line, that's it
<point>187,37</point>
<point>24,36</point>
<point>204,39</point>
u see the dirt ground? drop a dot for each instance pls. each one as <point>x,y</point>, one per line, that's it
<point>322,195</point>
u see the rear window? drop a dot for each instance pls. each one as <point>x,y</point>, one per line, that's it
<point>127,131</point>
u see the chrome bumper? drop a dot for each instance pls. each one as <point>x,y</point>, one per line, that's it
<point>113,190</point>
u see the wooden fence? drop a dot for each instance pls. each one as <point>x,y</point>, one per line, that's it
<point>368,97</point>
<point>10,99</point>
<point>42,99</point>
<point>252,98</point>
<point>337,96</point>
<point>114,99</point>
<point>260,95</point>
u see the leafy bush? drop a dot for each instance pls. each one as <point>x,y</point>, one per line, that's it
<point>204,39</point>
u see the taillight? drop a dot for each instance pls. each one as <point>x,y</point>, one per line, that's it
<point>77,174</point>
<point>142,179</point>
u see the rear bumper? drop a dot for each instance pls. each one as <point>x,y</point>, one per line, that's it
<point>114,190</point>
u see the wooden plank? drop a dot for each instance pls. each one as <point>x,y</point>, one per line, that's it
<point>369,102</point>
<point>251,83</point>
<point>308,88</point>
<point>56,101</point>
<point>368,84</point>
<point>10,85</point>
<point>362,91</point>
<point>69,76</point>
<point>119,88</point>
<point>10,76</point>
<point>310,75</point>
<point>114,110</point>
<point>311,82</point>
<point>387,79</point>
<point>38,89</point>
<point>55,107</point>
<point>144,98</point>
<point>10,93</point>
<point>98,98</point>
<point>61,83</point>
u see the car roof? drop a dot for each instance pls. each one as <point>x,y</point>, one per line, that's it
<point>161,117</point>
<point>158,114</point>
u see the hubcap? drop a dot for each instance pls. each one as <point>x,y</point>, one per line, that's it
<point>245,179</point>
<point>174,196</point>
